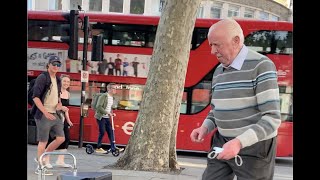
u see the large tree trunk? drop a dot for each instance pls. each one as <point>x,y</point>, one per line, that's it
<point>152,145</point>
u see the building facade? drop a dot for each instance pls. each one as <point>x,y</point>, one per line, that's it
<point>273,10</point>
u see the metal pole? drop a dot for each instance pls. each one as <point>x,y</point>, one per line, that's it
<point>84,67</point>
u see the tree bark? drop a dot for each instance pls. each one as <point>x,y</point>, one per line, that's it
<point>152,145</point>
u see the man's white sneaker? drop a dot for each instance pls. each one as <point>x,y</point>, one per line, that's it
<point>64,165</point>
<point>48,165</point>
<point>47,173</point>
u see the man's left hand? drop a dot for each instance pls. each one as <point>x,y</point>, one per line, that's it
<point>230,149</point>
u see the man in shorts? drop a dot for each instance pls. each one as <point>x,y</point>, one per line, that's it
<point>46,92</point>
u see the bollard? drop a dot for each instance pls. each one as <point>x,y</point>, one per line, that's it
<point>43,169</point>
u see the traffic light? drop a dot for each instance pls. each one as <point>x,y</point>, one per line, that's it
<point>97,48</point>
<point>72,37</point>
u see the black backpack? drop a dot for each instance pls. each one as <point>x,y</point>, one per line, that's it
<point>30,90</point>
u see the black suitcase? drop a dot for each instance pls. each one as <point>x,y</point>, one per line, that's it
<point>32,129</point>
<point>85,176</point>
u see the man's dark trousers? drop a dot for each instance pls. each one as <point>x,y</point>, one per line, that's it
<point>258,162</point>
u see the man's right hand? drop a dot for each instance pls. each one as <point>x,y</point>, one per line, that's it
<point>198,134</point>
<point>49,116</point>
<point>40,106</point>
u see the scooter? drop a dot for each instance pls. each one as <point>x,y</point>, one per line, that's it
<point>116,152</point>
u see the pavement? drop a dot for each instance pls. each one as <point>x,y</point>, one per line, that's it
<point>193,167</point>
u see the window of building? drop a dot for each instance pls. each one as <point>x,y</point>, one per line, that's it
<point>29,4</point>
<point>200,12</point>
<point>249,13</point>
<point>116,6</point>
<point>264,16</point>
<point>137,7</point>
<point>59,4</point>
<point>52,4</point>
<point>274,18</point>
<point>215,11</point>
<point>55,5</point>
<point>74,4</point>
<point>233,11</point>
<point>95,5</point>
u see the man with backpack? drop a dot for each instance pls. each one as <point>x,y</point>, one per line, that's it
<point>103,112</point>
<point>46,94</point>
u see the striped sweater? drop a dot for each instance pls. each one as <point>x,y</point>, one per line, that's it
<point>245,102</point>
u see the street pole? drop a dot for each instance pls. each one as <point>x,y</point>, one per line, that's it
<point>83,84</point>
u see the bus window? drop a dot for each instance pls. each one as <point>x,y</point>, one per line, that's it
<point>101,28</point>
<point>133,35</point>
<point>95,32</point>
<point>183,107</point>
<point>128,96</point>
<point>286,103</point>
<point>91,88</point>
<point>128,38</point>
<point>201,96</point>
<point>150,39</point>
<point>270,42</point>
<point>198,37</point>
<point>39,30</point>
<point>75,95</point>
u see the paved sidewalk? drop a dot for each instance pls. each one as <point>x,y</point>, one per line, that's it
<point>193,167</point>
<point>96,163</point>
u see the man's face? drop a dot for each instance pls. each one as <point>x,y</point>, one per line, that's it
<point>54,66</point>
<point>112,90</point>
<point>222,46</point>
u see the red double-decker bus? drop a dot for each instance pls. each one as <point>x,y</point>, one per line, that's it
<point>128,42</point>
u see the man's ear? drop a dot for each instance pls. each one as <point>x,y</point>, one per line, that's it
<point>236,39</point>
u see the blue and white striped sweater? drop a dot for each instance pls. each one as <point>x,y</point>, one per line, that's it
<point>246,102</point>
